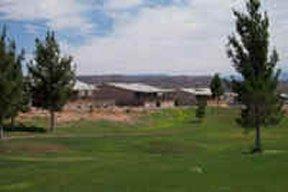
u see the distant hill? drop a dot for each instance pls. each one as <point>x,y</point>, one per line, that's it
<point>166,81</point>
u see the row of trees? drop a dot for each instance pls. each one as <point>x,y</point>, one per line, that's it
<point>49,81</point>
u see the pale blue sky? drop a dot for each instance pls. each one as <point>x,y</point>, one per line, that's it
<point>139,36</point>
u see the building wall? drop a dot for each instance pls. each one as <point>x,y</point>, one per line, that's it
<point>80,105</point>
<point>230,98</point>
<point>150,104</point>
<point>80,100</point>
<point>82,94</point>
<point>168,103</point>
<point>123,97</point>
<point>185,99</point>
<point>119,96</point>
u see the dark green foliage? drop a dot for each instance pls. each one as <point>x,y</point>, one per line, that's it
<point>249,51</point>
<point>216,87</point>
<point>201,108</point>
<point>52,76</point>
<point>11,79</point>
<point>17,95</point>
<point>26,95</point>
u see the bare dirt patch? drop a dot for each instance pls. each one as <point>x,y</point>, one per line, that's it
<point>69,116</point>
<point>112,114</point>
<point>49,159</point>
<point>31,148</point>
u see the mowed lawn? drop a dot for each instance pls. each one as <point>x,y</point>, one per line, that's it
<point>165,151</point>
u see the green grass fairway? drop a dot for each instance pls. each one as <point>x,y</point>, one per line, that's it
<point>166,151</point>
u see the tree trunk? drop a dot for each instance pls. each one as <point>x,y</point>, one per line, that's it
<point>52,121</point>
<point>12,122</point>
<point>1,132</point>
<point>257,147</point>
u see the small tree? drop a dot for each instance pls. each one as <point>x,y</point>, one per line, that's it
<point>201,108</point>
<point>216,87</point>
<point>52,77</point>
<point>10,80</point>
<point>249,51</point>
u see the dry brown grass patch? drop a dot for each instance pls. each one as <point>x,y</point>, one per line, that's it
<point>31,148</point>
<point>113,114</point>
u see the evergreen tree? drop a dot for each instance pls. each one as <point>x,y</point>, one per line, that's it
<point>17,95</point>
<point>216,87</point>
<point>52,77</point>
<point>201,108</point>
<point>249,52</point>
<point>10,79</point>
<point>26,95</point>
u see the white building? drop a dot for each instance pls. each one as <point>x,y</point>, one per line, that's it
<point>83,90</point>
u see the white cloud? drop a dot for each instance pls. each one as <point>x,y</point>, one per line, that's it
<point>169,39</point>
<point>123,4</point>
<point>279,23</point>
<point>32,29</point>
<point>162,40</point>
<point>64,14</point>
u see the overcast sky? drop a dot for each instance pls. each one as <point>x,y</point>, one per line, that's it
<point>139,36</point>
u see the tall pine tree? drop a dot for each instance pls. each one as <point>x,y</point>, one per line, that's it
<point>52,77</point>
<point>17,95</point>
<point>11,79</point>
<point>249,52</point>
<point>216,87</point>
